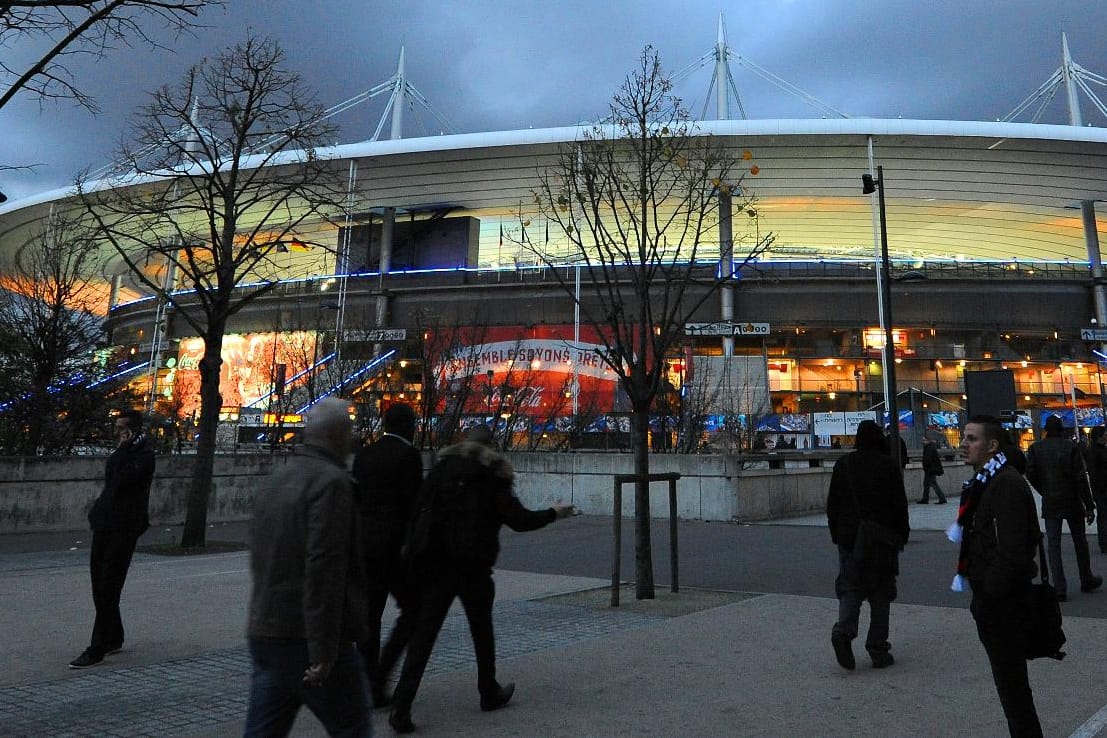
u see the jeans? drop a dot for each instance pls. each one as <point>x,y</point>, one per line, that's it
<point>850,596</point>
<point>277,690</point>
<point>1053,548</point>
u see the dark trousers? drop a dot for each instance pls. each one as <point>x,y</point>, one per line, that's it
<point>1001,625</point>
<point>277,691</point>
<point>477,592</point>
<point>931,480</point>
<point>1053,548</point>
<point>108,562</point>
<point>851,593</point>
<point>379,662</point>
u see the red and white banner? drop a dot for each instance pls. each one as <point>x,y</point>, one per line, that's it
<point>542,366</point>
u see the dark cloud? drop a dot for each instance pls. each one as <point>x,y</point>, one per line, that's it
<point>506,64</point>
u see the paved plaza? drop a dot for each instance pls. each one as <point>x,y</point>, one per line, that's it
<point>708,661</point>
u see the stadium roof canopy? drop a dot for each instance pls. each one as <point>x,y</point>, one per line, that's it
<point>955,189</point>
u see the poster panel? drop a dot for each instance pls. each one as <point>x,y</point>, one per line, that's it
<point>829,424</point>
<point>542,367</point>
<point>249,366</point>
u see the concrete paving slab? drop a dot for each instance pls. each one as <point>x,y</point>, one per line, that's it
<point>704,662</point>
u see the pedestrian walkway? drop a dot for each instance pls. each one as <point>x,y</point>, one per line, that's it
<point>743,664</point>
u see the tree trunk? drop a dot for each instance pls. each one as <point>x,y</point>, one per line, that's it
<point>643,550</point>
<point>211,402</point>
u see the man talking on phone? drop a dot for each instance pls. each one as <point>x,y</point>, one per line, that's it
<point>117,518</point>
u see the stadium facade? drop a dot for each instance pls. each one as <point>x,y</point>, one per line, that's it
<point>992,235</point>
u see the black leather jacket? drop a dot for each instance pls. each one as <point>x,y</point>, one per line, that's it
<point>1056,469</point>
<point>1004,537</point>
<point>123,505</point>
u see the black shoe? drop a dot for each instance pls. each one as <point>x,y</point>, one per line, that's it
<point>501,697</point>
<point>400,720</point>
<point>843,651</point>
<point>882,659</point>
<point>1092,584</point>
<point>381,698</point>
<point>87,658</point>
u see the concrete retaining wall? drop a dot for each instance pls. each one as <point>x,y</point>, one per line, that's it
<point>55,494</point>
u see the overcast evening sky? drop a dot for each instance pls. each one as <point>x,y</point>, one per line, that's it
<point>509,64</point>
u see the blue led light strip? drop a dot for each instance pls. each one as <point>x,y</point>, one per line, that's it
<point>293,378</point>
<point>371,365</point>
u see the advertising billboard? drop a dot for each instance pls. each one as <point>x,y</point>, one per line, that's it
<point>541,367</point>
<point>249,368</point>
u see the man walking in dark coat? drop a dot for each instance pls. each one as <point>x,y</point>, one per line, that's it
<point>388,472</point>
<point>467,496</point>
<point>866,484</point>
<point>932,469</point>
<point>118,517</point>
<point>1056,469</point>
<point>308,602</point>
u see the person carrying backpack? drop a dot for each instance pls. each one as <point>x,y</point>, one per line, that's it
<point>452,545</point>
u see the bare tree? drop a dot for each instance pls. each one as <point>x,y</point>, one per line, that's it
<point>56,33</point>
<point>638,201</point>
<point>49,328</point>
<point>227,176</point>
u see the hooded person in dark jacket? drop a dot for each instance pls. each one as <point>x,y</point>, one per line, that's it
<point>117,518</point>
<point>466,498</point>
<point>1055,466</point>
<point>866,484</point>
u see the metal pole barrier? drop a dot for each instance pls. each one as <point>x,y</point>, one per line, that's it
<point>674,585</point>
<point>616,516</point>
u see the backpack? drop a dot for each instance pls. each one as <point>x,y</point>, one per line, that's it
<point>452,514</point>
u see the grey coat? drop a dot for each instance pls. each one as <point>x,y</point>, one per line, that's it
<point>305,556</point>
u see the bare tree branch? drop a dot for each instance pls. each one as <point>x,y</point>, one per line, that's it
<point>638,200</point>
<point>62,30</point>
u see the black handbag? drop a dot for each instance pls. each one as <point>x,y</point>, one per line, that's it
<point>1044,636</point>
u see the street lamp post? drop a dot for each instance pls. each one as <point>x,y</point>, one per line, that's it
<point>868,187</point>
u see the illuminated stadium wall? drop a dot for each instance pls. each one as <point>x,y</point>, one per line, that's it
<point>990,263</point>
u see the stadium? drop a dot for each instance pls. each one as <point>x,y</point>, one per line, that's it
<point>426,287</point>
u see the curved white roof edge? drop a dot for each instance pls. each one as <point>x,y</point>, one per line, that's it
<point>770,127</point>
<point>567,134</point>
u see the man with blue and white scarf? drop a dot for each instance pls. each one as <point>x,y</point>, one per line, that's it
<point>997,527</point>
